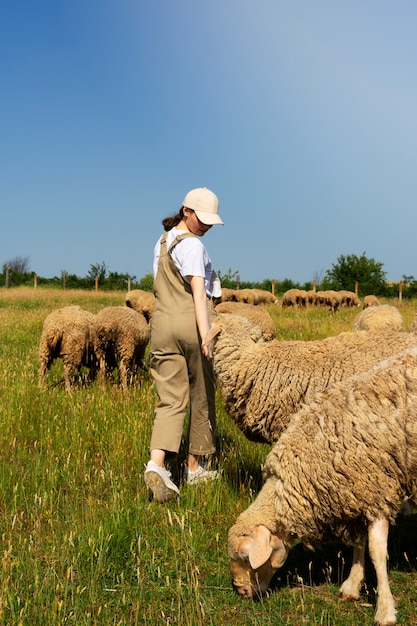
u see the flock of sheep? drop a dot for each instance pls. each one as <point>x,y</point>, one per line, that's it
<point>340,414</point>
<point>116,336</point>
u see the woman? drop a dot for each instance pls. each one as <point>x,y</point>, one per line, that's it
<point>184,284</point>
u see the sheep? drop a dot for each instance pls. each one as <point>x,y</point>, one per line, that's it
<point>68,334</point>
<point>121,337</point>
<point>262,296</point>
<point>338,474</point>
<point>379,318</point>
<point>349,298</point>
<point>370,301</point>
<point>142,302</point>
<point>227,295</point>
<point>255,314</point>
<point>247,296</point>
<point>264,383</point>
<point>294,297</point>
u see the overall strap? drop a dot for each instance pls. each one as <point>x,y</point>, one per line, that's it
<point>179,238</point>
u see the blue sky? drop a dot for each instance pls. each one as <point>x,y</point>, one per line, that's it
<point>301,116</point>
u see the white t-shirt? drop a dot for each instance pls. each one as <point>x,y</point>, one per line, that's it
<point>192,259</point>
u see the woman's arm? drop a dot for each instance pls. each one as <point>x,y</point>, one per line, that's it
<point>200,308</point>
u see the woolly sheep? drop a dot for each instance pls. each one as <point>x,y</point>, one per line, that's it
<point>379,318</point>
<point>247,296</point>
<point>255,314</point>
<point>294,297</point>
<point>227,295</point>
<point>370,301</point>
<point>262,296</point>
<point>338,474</point>
<point>329,298</point>
<point>67,334</point>
<point>141,301</point>
<point>122,335</point>
<point>349,298</point>
<point>264,383</point>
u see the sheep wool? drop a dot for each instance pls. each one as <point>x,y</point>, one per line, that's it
<point>257,315</point>
<point>379,318</point>
<point>338,474</point>
<point>67,334</point>
<point>142,302</point>
<point>264,383</point>
<point>121,337</point>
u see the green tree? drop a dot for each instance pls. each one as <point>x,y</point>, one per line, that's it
<point>351,269</point>
<point>99,270</point>
<point>146,282</point>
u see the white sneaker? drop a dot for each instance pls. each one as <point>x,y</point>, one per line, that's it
<point>200,475</point>
<point>159,480</point>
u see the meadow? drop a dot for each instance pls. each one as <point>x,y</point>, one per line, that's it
<point>83,543</point>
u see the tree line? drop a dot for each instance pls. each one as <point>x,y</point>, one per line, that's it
<point>346,273</point>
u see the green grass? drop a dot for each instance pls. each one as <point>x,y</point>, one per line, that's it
<point>81,540</point>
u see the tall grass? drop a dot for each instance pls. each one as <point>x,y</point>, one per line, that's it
<point>83,543</point>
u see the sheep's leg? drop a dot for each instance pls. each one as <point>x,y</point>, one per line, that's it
<point>378,551</point>
<point>67,379</point>
<point>123,374</point>
<point>350,589</point>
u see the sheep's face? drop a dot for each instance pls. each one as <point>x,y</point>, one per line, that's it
<point>255,560</point>
<point>249,582</point>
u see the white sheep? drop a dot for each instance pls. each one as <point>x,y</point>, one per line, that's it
<point>67,334</point>
<point>264,383</point>
<point>349,298</point>
<point>121,337</point>
<point>295,297</point>
<point>370,300</point>
<point>338,474</point>
<point>257,315</point>
<point>379,318</point>
<point>141,301</point>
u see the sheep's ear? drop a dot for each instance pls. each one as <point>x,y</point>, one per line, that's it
<point>213,331</point>
<point>279,552</point>
<point>261,548</point>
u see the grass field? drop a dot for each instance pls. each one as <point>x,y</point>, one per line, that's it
<point>82,542</point>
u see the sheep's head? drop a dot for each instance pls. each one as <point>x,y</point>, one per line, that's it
<point>255,559</point>
<point>234,325</point>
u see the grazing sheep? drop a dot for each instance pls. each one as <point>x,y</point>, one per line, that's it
<point>246,296</point>
<point>142,302</point>
<point>370,301</point>
<point>227,295</point>
<point>122,335</point>
<point>262,296</point>
<point>255,314</point>
<point>264,383</point>
<point>67,334</point>
<point>349,298</point>
<point>379,318</point>
<point>294,297</point>
<point>328,298</point>
<point>338,474</point>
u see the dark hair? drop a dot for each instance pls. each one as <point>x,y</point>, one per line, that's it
<point>170,222</point>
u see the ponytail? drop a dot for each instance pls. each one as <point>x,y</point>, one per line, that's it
<point>170,222</point>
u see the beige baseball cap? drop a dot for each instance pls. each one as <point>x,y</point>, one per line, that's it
<point>205,203</point>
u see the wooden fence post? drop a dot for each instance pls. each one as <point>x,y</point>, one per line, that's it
<point>96,283</point>
<point>35,281</point>
<point>400,294</point>
<point>273,286</point>
<point>357,289</point>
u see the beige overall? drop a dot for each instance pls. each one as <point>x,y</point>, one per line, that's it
<point>180,370</point>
